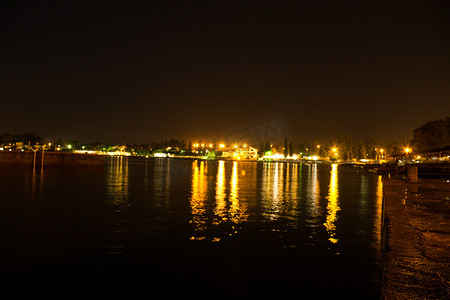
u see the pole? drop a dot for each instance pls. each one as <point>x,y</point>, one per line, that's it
<point>34,162</point>
<point>42,163</point>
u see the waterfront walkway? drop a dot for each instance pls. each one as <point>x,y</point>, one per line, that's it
<point>416,264</point>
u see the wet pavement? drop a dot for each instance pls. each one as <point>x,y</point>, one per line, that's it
<point>416,263</point>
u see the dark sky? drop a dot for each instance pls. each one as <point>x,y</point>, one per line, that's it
<point>127,71</point>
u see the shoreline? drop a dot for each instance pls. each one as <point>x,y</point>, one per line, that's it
<point>416,240</point>
<point>48,159</point>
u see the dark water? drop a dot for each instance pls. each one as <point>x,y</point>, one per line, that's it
<point>171,228</point>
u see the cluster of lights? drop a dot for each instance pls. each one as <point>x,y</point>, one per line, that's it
<point>277,156</point>
<point>221,146</point>
<point>204,145</point>
<point>116,153</point>
<point>335,151</point>
<point>119,153</point>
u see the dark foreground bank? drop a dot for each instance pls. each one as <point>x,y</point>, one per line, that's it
<point>416,263</point>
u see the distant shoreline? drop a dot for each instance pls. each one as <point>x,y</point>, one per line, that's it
<point>48,159</point>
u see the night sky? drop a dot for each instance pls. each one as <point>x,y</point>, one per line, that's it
<point>133,72</point>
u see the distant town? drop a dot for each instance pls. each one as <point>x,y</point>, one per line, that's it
<point>431,143</point>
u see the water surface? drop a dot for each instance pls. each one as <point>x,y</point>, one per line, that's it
<point>191,228</point>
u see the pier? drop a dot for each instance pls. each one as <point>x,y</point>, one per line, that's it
<point>416,254</point>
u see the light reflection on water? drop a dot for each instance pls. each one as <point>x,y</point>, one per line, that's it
<point>313,192</point>
<point>333,205</point>
<point>198,197</point>
<point>238,209</point>
<point>117,186</point>
<point>220,208</point>
<point>285,189</point>
<point>228,207</point>
<point>229,193</point>
<point>281,190</point>
<point>378,213</point>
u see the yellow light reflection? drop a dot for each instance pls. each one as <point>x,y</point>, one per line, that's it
<point>117,189</point>
<point>333,205</point>
<point>313,191</point>
<point>220,209</point>
<point>161,182</point>
<point>292,189</point>
<point>237,210</point>
<point>117,182</point>
<point>277,184</point>
<point>198,196</point>
<point>272,190</point>
<point>379,208</point>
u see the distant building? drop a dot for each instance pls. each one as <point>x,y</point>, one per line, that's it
<point>246,152</point>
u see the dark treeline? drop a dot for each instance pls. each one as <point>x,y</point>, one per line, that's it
<point>24,138</point>
<point>433,136</point>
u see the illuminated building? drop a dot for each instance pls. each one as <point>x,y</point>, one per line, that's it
<point>246,152</point>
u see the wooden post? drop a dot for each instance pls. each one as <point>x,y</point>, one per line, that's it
<point>42,163</point>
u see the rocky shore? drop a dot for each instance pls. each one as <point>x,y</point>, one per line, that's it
<point>417,248</point>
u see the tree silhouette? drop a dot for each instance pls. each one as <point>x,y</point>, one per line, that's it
<point>432,135</point>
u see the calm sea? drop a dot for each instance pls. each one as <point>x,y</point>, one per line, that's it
<point>180,228</point>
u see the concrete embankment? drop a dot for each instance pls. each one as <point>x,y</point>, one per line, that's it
<point>417,252</point>
<point>28,159</point>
